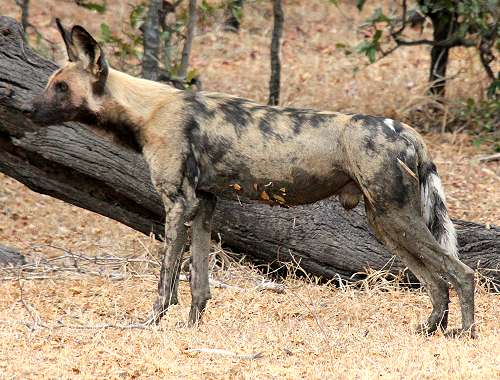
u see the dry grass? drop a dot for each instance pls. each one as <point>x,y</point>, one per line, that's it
<point>310,331</point>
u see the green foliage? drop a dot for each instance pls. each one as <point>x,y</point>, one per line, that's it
<point>206,9</point>
<point>494,88</point>
<point>360,4</point>
<point>136,17</point>
<point>124,47</point>
<point>96,7</point>
<point>129,44</point>
<point>378,16</point>
<point>237,11</point>
<point>482,118</point>
<point>476,20</point>
<point>369,47</point>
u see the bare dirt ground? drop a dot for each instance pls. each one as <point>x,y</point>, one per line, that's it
<point>51,327</point>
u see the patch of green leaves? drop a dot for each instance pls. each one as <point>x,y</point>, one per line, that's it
<point>378,16</point>
<point>360,4</point>
<point>369,47</point>
<point>96,7</point>
<point>136,17</point>
<point>493,90</point>
<point>130,48</point>
<point>482,119</point>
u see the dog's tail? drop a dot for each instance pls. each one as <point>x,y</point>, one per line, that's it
<point>432,199</point>
<point>434,209</point>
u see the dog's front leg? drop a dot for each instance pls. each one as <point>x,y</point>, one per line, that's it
<point>175,240</point>
<point>200,248</point>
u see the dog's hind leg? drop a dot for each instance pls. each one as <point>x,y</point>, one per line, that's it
<point>200,248</point>
<point>406,231</point>
<point>451,268</point>
<point>436,287</point>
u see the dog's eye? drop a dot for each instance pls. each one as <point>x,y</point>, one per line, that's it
<point>61,87</point>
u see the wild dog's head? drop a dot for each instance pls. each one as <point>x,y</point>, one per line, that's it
<point>74,91</point>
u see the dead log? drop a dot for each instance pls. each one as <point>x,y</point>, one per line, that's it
<point>11,257</point>
<point>74,164</point>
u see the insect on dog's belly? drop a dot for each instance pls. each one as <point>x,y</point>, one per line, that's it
<point>300,188</point>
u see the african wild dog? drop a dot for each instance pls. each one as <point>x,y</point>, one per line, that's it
<point>203,145</point>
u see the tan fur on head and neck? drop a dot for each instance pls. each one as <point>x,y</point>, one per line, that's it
<point>132,100</point>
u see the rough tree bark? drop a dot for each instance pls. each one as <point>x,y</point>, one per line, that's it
<point>274,81</point>
<point>76,165</point>
<point>444,24</point>
<point>186,50</point>
<point>150,66</point>
<point>25,11</point>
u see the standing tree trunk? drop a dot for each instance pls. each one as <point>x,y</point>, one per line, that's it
<point>444,24</point>
<point>150,60</point>
<point>167,36</point>
<point>25,10</point>
<point>71,163</point>
<point>274,82</point>
<point>186,50</point>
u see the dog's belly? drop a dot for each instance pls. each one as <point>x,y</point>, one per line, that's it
<point>298,187</point>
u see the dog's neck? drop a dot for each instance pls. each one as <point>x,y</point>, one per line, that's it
<point>133,101</point>
<point>129,103</point>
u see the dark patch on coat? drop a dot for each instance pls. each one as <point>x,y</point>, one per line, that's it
<point>190,126</point>
<point>399,189</point>
<point>235,113</point>
<point>298,122</point>
<point>214,148</point>
<point>389,185</point>
<point>126,133</point>
<point>378,124</point>
<point>367,120</point>
<point>266,125</point>
<point>398,127</point>
<point>191,171</point>
<point>198,106</point>
<point>301,118</point>
<point>371,148</point>
<point>436,224</point>
<point>425,170</point>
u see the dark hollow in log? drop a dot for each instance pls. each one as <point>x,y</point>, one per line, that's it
<point>11,257</point>
<point>76,165</point>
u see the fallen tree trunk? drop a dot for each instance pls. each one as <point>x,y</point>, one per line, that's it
<point>10,257</point>
<point>74,164</point>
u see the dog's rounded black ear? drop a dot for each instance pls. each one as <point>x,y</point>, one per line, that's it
<point>66,36</point>
<point>91,54</point>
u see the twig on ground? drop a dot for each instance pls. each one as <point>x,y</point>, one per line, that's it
<point>490,158</point>
<point>264,285</point>
<point>217,351</point>
<point>29,308</point>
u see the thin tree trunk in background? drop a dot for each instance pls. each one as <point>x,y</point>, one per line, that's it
<point>186,50</point>
<point>25,9</point>
<point>274,82</point>
<point>444,25</point>
<point>72,163</point>
<point>150,61</point>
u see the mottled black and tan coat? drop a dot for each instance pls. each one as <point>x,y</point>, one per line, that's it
<point>203,145</point>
